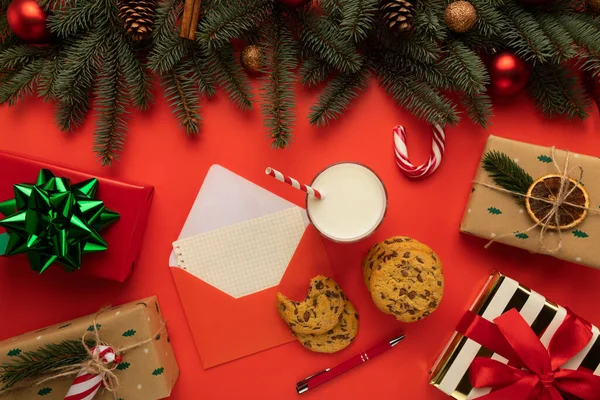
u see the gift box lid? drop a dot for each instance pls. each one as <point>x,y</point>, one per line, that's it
<point>132,202</point>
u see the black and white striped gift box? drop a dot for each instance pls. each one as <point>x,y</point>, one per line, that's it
<point>451,372</point>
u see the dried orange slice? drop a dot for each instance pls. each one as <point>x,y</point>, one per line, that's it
<point>547,187</point>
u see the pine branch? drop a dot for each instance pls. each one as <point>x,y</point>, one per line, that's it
<point>338,95</point>
<point>52,64</point>
<point>200,66</point>
<point>357,18</point>
<point>22,54</point>
<point>324,39</point>
<point>428,21</point>
<point>232,19</point>
<point>278,103</point>
<point>524,34</point>
<point>464,68</point>
<point>479,107</point>
<point>332,8</point>
<point>415,47</point>
<point>136,77</point>
<point>168,47</point>
<point>314,71</point>
<point>490,21</point>
<point>69,19</point>
<point>22,83</point>
<point>182,98</point>
<point>584,29</point>
<point>230,76</point>
<point>44,360</point>
<point>556,91</point>
<point>111,102</point>
<point>562,43</point>
<point>419,98</point>
<point>506,173</point>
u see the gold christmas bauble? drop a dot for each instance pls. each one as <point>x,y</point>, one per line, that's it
<point>253,58</point>
<point>460,16</point>
<point>593,6</point>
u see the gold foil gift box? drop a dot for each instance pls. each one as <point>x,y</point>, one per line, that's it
<point>501,294</point>
<point>148,369</point>
<point>496,215</point>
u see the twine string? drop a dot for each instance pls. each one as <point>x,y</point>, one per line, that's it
<point>556,203</point>
<point>93,364</point>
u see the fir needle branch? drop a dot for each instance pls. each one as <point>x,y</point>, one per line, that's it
<point>277,91</point>
<point>479,107</point>
<point>231,19</point>
<point>506,173</point>
<point>323,38</point>
<point>206,83</point>
<point>357,18</point>
<point>314,71</point>
<point>182,98</point>
<point>111,103</point>
<point>22,83</point>
<point>338,95</point>
<point>44,360</point>
<point>229,75</point>
<point>168,47</point>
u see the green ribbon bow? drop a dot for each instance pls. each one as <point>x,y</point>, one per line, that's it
<point>54,221</point>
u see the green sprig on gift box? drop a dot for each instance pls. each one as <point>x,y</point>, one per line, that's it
<point>55,221</point>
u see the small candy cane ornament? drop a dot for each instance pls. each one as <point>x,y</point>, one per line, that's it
<point>435,158</point>
<point>86,385</point>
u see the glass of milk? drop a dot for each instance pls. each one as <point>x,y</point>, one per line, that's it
<point>354,203</point>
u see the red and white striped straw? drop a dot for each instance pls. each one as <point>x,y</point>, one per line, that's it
<point>291,181</point>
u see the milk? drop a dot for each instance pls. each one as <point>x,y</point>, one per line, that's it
<point>354,203</point>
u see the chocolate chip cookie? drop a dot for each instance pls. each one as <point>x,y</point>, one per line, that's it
<point>409,286</point>
<point>391,248</point>
<point>319,312</point>
<point>336,339</point>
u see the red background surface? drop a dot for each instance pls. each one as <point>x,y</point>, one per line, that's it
<point>159,153</point>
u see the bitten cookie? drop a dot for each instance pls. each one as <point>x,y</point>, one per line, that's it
<point>319,312</point>
<point>410,286</point>
<point>336,339</point>
<point>390,249</point>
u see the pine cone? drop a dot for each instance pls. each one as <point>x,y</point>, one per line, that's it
<point>138,17</point>
<point>398,14</point>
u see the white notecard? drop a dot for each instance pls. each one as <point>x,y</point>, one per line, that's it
<point>243,258</point>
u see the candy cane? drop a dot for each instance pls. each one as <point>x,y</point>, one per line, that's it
<point>86,385</point>
<point>435,158</point>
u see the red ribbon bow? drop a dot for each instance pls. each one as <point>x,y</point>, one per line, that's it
<point>533,372</point>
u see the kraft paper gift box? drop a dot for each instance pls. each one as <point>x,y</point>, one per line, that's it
<point>124,237</point>
<point>451,373</point>
<point>214,309</point>
<point>493,214</point>
<point>148,371</point>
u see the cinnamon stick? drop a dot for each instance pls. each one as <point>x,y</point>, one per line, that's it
<point>189,22</point>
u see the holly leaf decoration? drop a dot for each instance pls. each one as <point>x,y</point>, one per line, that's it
<point>580,234</point>
<point>521,235</point>
<point>45,391</point>
<point>91,327</point>
<point>122,366</point>
<point>14,352</point>
<point>494,211</point>
<point>129,333</point>
<point>545,159</point>
<point>158,371</point>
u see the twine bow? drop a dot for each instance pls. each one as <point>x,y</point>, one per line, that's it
<point>557,202</point>
<point>97,363</point>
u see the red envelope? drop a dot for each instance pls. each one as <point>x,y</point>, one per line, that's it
<point>124,237</point>
<point>215,317</point>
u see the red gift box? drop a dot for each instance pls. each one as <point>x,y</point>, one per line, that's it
<point>124,237</point>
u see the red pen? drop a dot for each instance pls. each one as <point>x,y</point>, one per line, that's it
<point>328,374</point>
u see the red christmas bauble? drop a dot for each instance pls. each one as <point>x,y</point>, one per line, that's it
<point>27,20</point>
<point>508,74</point>
<point>294,3</point>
